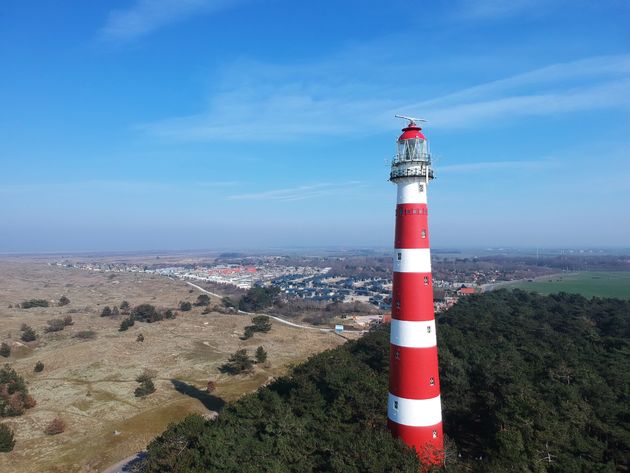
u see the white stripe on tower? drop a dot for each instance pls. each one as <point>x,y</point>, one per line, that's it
<point>413,334</point>
<point>412,260</point>
<point>409,192</point>
<point>415,412</point>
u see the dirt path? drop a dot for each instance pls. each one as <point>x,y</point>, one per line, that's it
<point>203,290</point>
<point>121,466</point>
<point>286,322</point>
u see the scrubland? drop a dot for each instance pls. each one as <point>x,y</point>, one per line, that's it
<point>90,383</point>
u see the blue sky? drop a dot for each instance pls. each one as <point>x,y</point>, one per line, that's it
<point>200,124</point>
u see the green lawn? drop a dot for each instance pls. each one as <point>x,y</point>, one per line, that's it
<point>588,283</point>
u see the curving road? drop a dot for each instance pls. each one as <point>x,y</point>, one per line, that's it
<point>286,322</point>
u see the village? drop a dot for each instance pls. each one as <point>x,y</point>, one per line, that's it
<point>295,282</point>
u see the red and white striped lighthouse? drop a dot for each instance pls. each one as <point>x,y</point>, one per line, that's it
<point>414,409</point>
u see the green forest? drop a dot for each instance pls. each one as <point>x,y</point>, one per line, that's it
<point>530,383</point>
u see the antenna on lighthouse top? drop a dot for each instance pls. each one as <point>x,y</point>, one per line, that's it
<point>412,120</point>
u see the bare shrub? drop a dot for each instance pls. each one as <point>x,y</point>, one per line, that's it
<point>85,335</point>
<point>55,427</point>
<point>55,325</point>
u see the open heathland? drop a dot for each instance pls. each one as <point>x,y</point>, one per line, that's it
<point>89,368</point>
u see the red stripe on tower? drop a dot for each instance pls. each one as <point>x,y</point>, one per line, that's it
<point>414,408</point>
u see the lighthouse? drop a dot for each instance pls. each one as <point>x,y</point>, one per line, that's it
<point>414,408</point>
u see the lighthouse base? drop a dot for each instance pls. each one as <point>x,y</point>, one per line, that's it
<point>428,441</point>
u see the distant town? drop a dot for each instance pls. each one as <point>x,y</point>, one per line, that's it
<point>332,279</point>
<point>357,277</point>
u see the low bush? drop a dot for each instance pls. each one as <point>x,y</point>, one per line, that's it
<point>34,303</point>
<point>260,323</point>
<point>39,367</point>
<point>146,387</point>
<point>28,334</point>
<point>106,312</point>
<point>125,324</point>
<point>146,313</point>
<point>146,375</point>
<point>14,397</point>
<point>202,299</point>
<point>124,307</point>
<point>55,325</point>
<point>7,440</point>
<point>55,427</point>
<point>85,335</point>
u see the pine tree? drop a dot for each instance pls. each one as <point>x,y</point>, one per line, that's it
<point>106,312</point>
<point>261,355</point>
<point>238,363</point>
<point>7,440</point>
<point>28,334</point>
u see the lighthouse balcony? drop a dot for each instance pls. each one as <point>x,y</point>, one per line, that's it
<point>424,171</point>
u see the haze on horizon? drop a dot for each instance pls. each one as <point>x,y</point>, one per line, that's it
<point>165,124</point>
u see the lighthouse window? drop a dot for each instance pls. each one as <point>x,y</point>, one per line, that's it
<point>421,187</point>
<point>431,381</point>
<point>396,407</point>
<point>415,211</point>
<point>399,256</point>
<point>397,355</point>
<point>424,233</point>
<point>435,434</point>
<point>397,304</point>
<point>428,329</point>
<point>426,278</point>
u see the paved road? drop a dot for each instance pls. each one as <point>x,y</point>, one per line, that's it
<point>286,322</point>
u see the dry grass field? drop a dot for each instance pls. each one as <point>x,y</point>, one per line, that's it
<point>90,384</point>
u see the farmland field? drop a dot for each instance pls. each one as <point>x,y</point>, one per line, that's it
<point>588,283</point>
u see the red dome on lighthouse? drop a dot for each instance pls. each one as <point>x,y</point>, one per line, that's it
<point>412,131</point>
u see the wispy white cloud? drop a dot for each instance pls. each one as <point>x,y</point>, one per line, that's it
<point>279,103</point>
<point>572,72</point>
<point>476,114</point>
<point>299,193</point>
<point>146,16</point>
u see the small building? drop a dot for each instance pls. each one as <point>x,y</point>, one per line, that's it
<point>466,291</point>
